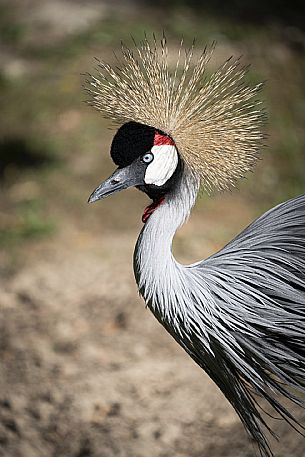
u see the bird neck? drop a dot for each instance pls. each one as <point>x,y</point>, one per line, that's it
<point>156,271</point>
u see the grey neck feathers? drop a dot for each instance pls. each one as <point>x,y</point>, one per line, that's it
<point>159,276</point>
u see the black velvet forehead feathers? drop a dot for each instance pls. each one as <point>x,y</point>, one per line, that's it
<point>130,142</point>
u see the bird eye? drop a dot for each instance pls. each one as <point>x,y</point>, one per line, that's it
<point>147,158</point>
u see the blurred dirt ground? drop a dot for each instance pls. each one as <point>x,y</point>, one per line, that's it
<point>85,370</point>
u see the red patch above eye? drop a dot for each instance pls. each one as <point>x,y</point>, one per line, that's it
<point>160,140</point>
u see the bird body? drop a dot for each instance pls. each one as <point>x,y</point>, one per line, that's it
<point>240,314</point>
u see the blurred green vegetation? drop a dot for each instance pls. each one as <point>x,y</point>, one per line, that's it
<point>30,223</point>
<point>50,142</point>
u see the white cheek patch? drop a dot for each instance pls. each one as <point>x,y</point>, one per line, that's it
<point>163,166</point>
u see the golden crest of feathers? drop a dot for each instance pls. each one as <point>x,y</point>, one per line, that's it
<point>214,119</point>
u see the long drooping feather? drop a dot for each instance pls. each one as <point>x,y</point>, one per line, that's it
<point>214,119</point>
<point>258,281</point>
<point>240,314</point>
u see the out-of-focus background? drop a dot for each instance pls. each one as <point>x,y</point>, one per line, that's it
<point>85,370</point>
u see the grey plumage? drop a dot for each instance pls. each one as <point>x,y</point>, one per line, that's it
<point>240,314</point>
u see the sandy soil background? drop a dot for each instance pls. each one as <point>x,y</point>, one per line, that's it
<point>86,371</point>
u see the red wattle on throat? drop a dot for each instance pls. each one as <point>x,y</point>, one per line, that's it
<point>151,208</point>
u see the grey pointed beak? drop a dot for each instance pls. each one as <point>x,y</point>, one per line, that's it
<point>121,179</point>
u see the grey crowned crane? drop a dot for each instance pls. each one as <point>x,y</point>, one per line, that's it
<point>239,314</point>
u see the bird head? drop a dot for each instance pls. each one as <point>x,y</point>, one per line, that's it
<point>146,158</point>
<point>212,119</point>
